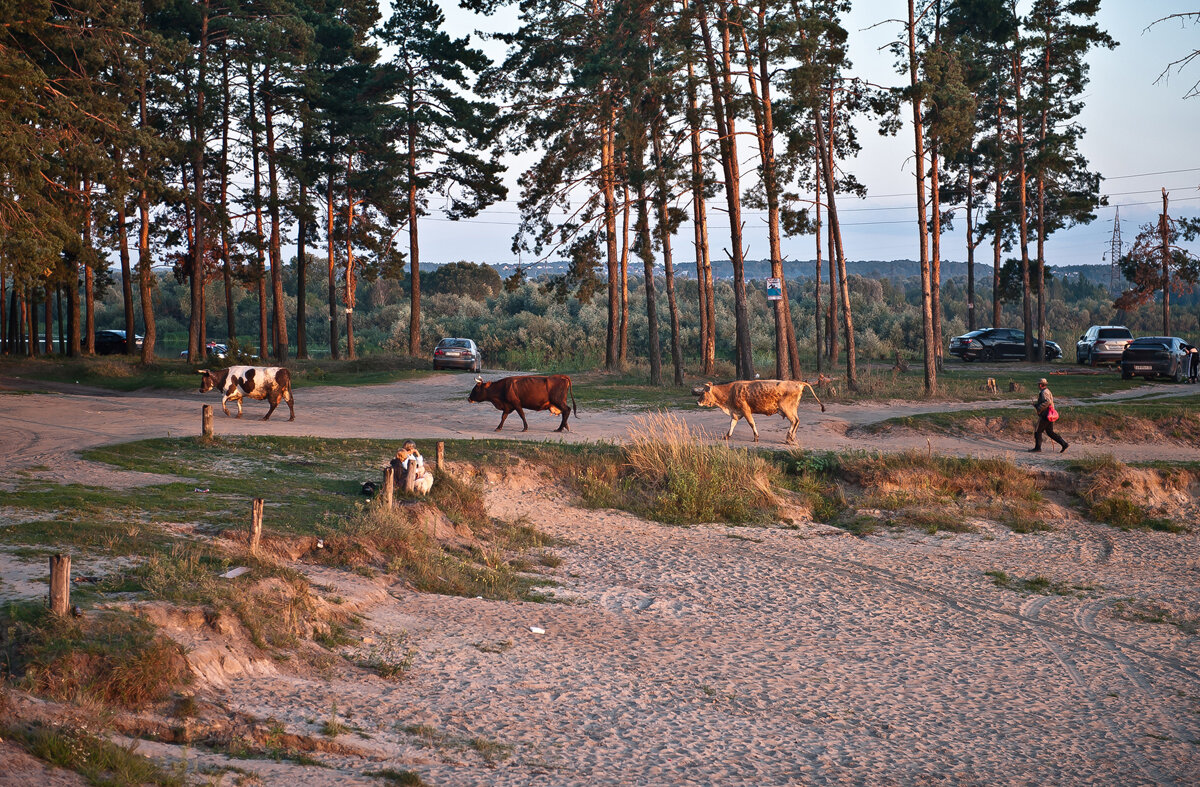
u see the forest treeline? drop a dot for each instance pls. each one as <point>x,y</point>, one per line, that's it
<point>205,136</point>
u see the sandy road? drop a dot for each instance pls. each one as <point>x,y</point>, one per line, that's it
<point>43,432</point>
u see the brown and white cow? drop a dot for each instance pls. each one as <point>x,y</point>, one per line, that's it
<point>273,383</point>
<point>528,392</point>
<point>747,398</point>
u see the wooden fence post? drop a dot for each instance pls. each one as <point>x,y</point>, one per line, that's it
<point>441,456</point>
<point>389,486</point>
<point>410,480</point>
<point>256,515</point>
<point>60,584</point>
<point>206,428</point>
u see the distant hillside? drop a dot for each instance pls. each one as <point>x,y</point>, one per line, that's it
<point>869,269</point>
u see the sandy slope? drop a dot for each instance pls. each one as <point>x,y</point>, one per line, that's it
<point>715,655</point>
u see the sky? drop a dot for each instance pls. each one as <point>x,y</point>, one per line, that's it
<point>1141,136</point>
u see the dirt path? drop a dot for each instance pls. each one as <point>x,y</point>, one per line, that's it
<point>42,433</point>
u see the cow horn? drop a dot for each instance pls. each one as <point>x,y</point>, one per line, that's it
<point>478,379</point>
<point>202,371</point>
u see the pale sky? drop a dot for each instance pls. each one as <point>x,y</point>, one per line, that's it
<point>1140,136</point>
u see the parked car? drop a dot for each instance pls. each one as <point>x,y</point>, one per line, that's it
<point>1102,344</point>
<point>457,354</point>
<point>1156,356</point>
<point>995,344</point>
<point>110,342</point>
<point>212,350</point>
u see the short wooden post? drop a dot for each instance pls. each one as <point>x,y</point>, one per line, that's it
<point>60,584</point>
<point>441,456</point>
<point>410,480</point>
<point>256,514</point>
<point>389,485</point>
<point>206,428</point>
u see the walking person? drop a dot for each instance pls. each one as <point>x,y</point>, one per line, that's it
<point>1047,415</point>
<point>1194,356</point>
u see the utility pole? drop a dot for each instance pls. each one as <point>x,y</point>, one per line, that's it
<point>1114,254</point>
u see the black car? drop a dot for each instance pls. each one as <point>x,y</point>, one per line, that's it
<point>995,344</point>
<point>1154,356</point>
<point>1102,344</point>
<point>111,342</point>
<point>457,354</point>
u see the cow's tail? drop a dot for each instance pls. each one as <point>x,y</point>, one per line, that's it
<point>571,390</point>
<point>812,390</point>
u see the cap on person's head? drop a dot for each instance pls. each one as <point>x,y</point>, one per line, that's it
<point>1043,381</point>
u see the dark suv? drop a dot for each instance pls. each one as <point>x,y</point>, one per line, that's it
<point>111,342</point>
<point>1102,344</point>
<point>1153,356</point>
<point>994,344</point>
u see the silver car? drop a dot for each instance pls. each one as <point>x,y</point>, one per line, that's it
<point>457,354</point>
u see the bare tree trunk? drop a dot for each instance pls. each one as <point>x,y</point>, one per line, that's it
<point>726,131</point>
<point>333,316</point>
<point>50,320</point>
<point>971,243</point>
<point>935,261</point>
<point>646,250</point>
<point>1023,220</point>
<point>608,188</point>
<point>817,278</point>
<point>835,228</point>
<point>259,258</point>
<point>700,219</point>
<point>664,232</point>
<point>1164,230</point>
<point>922,225</point>
<point>351,281</point>
<point>144,261</point>
<point>89,277</point>
<point>126,278</point>
<point>226,263</point>
<point>623,347</point>
<point>302,273</point>
<point>414,256</point>
<point>996,243</point>
<point>277,302</point>
<point>196,349</point>
<point>831,331</point>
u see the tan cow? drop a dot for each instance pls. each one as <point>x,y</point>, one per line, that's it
<point>747,398</point>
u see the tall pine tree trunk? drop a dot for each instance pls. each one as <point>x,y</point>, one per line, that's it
<point>623,338</point>
<point>608,189</point>
<point>831,329</point>
<point>89,273</point>
<point>971,243</point>
<point>998,239</point>
<point>144,260</point>
<point>276,254</point>
<point>817,277</point>
<point>935,256</point>
<point>334,352</point>
<point>1023,219</point>
<point>699,217</point>
<point>226,262</point>
<point>414,255</point>
<point>126,278</point>
<point>302,273</point>
<point>646,252</point>
<point>260,266</point>
<point>721,80</point>
<point>664,234</point>
<point>50,320</point>
<point>196,349</point>
<point>839,251</point>
<point>351,282</point>
<point>930,351</point>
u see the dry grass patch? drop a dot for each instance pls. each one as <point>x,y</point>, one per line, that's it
<point>670,474</point>
<point>939,493</point>
<point>107,656</point>
<point>1136,498</point>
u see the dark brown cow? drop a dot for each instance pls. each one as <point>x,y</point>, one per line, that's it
<point>273,383</point>
<point>747,398</point>
<point>527,393</point>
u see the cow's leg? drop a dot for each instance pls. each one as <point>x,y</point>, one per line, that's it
<point>224,399</point>
<point>287,397</point>
<point>791,433</point>
<point>503,416</point>
<point>733,419</point>
<point>750,420</point>
<point>521,413</point>
<point>239,404</point>
<point>274,400</point>
<point>565,412</point>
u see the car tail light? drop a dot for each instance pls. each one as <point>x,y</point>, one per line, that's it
<point>439,352</point>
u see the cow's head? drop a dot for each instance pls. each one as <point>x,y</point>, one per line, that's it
<point>479,392</point>
<point>208,380</point>
<point>705,392</point>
